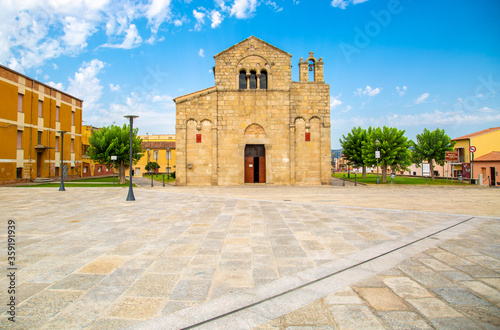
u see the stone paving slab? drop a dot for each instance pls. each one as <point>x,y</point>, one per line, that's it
<point>86,258</point>
<point>395,298</point>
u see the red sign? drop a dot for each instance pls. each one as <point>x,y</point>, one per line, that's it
<point>198,138</point>
<point>308,136</point>
<point>472,149</point>
<point>451,156</point>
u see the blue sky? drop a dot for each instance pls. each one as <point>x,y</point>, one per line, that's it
<point>411,64</point>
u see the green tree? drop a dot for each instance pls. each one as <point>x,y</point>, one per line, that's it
<point>152,166</point>
<point>352,147</point>
<point>431,147</point>
<point>115,141</point>
<point>393,146</point>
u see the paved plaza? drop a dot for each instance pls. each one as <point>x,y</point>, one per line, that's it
<point>253,257</point>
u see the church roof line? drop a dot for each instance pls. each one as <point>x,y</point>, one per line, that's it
<point>255,38</point>
<point>199,93</point>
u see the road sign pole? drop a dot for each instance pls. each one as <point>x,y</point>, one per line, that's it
<point>472,150</point>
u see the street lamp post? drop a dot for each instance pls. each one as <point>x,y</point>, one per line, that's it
<point>149,171</point>
<point>130,196</point>
<point>377,156</point>
<point>61,187</point>
<point>168,163</point>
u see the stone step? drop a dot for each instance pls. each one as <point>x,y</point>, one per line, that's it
<point>43,180</point>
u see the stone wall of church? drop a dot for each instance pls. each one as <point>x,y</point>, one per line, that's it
<point>196,116</point>
<point>253,54</point>
<point>310,110</point>
<point>291,120</point>
<point>240,109</point>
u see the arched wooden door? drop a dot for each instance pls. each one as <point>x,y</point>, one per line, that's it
<point>255,163</point>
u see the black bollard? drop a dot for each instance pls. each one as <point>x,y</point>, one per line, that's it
<point>164,180</point>
<point>343,180</point>
<point>355,183</point>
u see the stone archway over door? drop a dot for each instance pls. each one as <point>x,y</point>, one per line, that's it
<point>255,163</point>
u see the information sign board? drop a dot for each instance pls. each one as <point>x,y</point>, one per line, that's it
<point>426,169</point>
<point>451,156</point>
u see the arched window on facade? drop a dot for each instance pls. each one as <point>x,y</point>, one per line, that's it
<point>253,80</point>
<point>243,79</point>
<point>263,79</point>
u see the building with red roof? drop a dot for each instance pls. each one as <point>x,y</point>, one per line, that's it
<point>479,156</point>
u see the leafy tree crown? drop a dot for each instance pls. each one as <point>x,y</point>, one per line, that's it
<point>114,141</point>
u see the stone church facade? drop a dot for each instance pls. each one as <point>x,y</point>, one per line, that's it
<point>256,125</point>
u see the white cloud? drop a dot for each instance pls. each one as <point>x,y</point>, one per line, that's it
<point>437,118</point>
<point>35,31</point>
<point>157,13</point>
<point>178,22</point>
<point>335,101</point>
<point>401,90</point>
<point>422,98</point>
<point>132,39</point>
<point>76,32</point>
<point>347,109</point>
<point>243,8</point>
<point>222,5</point>
<point>200,19</point>
<point>114,88</point>
<point>86,86</point>
<point>58,86</point>
<point>368,91</point>
<point>155,97</point>
<point>32,32</point>
<point>201,53</point>
<point>156,112</point>
<point>216,19</point>
<point>487,110</point>
<point>273,5</point>
<point>342,4</point>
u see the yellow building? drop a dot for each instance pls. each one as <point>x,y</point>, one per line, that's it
<point>31,116</point>
<point>484,142</point>
<point>157,148</point>
<point>89,167</point>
